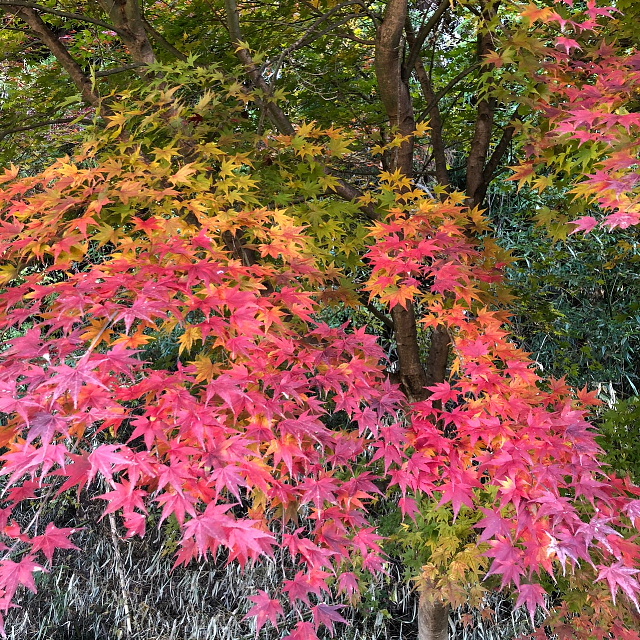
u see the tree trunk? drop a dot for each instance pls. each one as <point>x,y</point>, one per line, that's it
<point>127,17</point>
<point>393,87</point>
<point>433,619</point>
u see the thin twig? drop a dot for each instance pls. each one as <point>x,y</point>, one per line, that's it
<point>312,34</point>
<point>37,125</point>
<point>443,92</point>
<point>163,42</point>
<point>111,72</point>
<point>422,34</point>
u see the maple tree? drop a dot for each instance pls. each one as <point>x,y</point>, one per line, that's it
<point>181,215</point>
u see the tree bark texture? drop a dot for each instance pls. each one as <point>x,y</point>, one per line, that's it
<point>393,87</point>
<point>433,620</point>
<point>127,18</point>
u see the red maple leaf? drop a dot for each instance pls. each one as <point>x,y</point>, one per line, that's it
<point>348,584</point>
<point>53,538</point>
<point>493,524</point>
<point>124,496</point>
<point>532,596</point>
<point>44,425</point>
<point>71,380</point>
<point>303,631</point>
<point>77,472</point>
<point>16,574</point>
<point>107,460</point>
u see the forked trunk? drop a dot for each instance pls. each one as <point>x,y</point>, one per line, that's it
<point>433,619</point>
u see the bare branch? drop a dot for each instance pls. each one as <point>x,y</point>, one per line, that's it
<point>443,92</point>
<point>354,38</point>
<point>111,72</point>
<point>386,320</point>
<point>500,149</point>
<point>312,33</point>
<point>365,9</point>
<point>437,142</point>
<point>276,114</point>
<point>310,37</point>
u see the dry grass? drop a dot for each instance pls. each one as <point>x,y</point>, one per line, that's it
<point>82,598</point>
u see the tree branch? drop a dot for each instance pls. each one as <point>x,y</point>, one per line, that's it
<point>476,184</point>
<point>422,35</point>
<point>163,42</point>
<point>443,92</point>
<point>437,141</point>
<point>396,99</point>
<point>127,18</point>
<point>500,150</point>
<point>37,125</point>
<point>386,320</point>
<point>50,40</point>
<point>392,87</point>
<point>312,33</point>
<point>111,72</point>
<point>277,116</point>
<point>62,14</point>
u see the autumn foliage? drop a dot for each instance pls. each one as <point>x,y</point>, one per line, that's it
<point>271,428</point>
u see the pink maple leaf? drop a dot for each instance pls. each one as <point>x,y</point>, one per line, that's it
<point>348,584</point>
<point>303,631</point>
<point>265,608</point>
<point>124,496</point>
<point>16,574</point>
<point>70,379</point>
<point>620,577</point>
<point>327,614</point>
<point>531,595</point>
<point>408,507</point>
<point>107,460</point>
<point>44,425</point>
<point>621,219</point>
<point>493,525</point>
<point>567,44</point>
<point>458,493</point>
<point>586,224</point>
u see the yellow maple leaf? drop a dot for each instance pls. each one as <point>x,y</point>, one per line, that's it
<point>133,341</point>
<point>190,335</point>
<point>7,273</point>
<point>306,130</point>
<point>97,331</point>
<point>205,369</point>
<point>183,174</point>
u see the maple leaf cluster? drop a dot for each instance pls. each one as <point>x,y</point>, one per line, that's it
<point>496,437</point>
<point>592,125</point>
<point>229,443</point>
<point>268,428</point>
<point>231,438</point>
